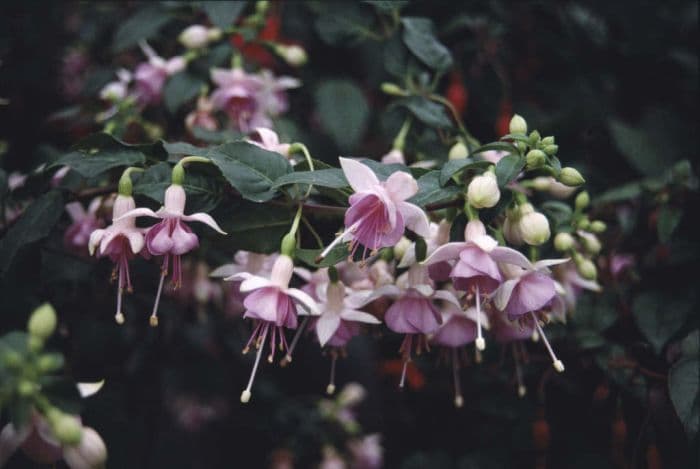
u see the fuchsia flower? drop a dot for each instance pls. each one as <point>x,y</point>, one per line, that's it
<point>572,284</point>
<point>120,241</point>
<point>243,261</point>
<point>271,95</point>
<point>171,238</point>
<point>379,213</point>
<point>273,306</point>
<point>476,270</point>
<point>77,236</point>
<point>202,116</point>
<point>395,156</point>
<point>149,77</point>
<point>236,95</point>
<point>269,140</point>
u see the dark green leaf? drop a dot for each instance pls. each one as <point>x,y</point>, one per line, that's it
<point>428,112</point>
<point>618,194</point>
<point>223,13</point>
<point>558,211</point>
<point>594,314</point>
<point>430,191</point>
<point>508,168</point>
<point>496,146</point>
<point>251,170</point>
<point>144,24</point>
<point>332,178</point>
<point>453,166</point>
<point>387,6</point>
<point>516,137</point>
<point>183,149</point>
<point>253,227</point>
<point>419,37</point>
<point>343,23</point>
<point>457,228</point>
<point>395,55</point>
<point>179,89</point>
<point>660,315</point>
<point>683,389</point>
<point>216,136</point>
<point>34,224</point>
<point>343,112</point>
<point>669,218</point>
<point>308,256</point>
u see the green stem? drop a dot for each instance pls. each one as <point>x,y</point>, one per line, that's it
<point>472,213</point>
<point>302,148</point>
<point>469,138</point>
<point>534,253</point>
<point>400,140</point>
<point>314,233</point>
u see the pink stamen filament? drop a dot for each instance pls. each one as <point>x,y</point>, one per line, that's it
<point>459,400</point>
<point>154,315</point>
<point>522,390</point>
<point>246,394</point>
<point>480,342</point>
<point>406,351</point>
<point>330,389</point>
<point>288,358</point>
<point>558,365</point>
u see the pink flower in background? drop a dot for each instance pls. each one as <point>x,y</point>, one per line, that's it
<point>77,236</point>
<point>367,452</point>
<point>120,241</point>
<point>272,96</point>
<point>621,262</point>
<point>572,284</point>
<point>273,306</point>
<point>202,116</point>
<point>395,156</point>
<point>243,261</point>
<point>171,237</point>
<point>269,140</point>
<point>379,213</point>
<point>338,312</point>
<point>149,77</point>
<point>236,95</point>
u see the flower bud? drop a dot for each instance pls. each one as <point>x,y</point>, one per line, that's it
<point>214,34</point>
<point>534,228</point>
<point>522,146</point>
<point>549,140</point>
<point>583,223</point>
<point>587,269</point>
<point>194,37</point>
<point>591,243</point>
<point>289,244</point>
<point>518,125</point>
<point>261,6</point>
<point>534,138</point>
<point>535,159</point>
<point>295,55</point>
<point>66,428</point>
<point>598,226</point>
<point>49,362</point>
<point>351,395</point>
<point>26,388</point>
<point>42,322</point>
<point>401,247</point>
<point>458,151</point>
<point>511,229</point>
<point>582,200</point>
<point>483,191</point>
<point>90,452</point>
<point>541,183</point>
<point>393,89</point>
<point>563,242</point>
<point>474,230</point>
<point>551,149</point>
<point>571,177</point>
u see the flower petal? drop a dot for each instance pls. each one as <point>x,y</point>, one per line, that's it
<point>204,218</point>
<point>94,240</point>
<point>485,242</point>
<point>10,440</point>
<point>253,282</point>
<point>510,256</point>
<point>136,240</point>
<point>446,295</point>
<point>326,326</point>
<point>138,212</point>
<point>225,271</point>
<point>446,252</point>
<point>306,301</point>
<point>359,316</point>
<point>415,218</point>
<point>360,177</point>
<point>502,295</point>
<point>183,239</point>
<point>545,263</point>
<point>401,186</point>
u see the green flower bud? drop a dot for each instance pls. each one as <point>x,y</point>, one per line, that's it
<point>587,269</point>
<point>49,362</point>
<point>535,159</point>
<point>67,429</point>
<point>571,177</point>
<point>534,138</point>
<point>12,359</point>
<point>261,6</point>
<point>541,183</point>
<point>598,226</point>
<point>289,245</point>
<point>35,343</point>
<point>583,223</point>
<point>582,200</point>
<point>534,228</point>
<point>392,89</point>
<point>458,151</point>
<point>26,388</point>
<point>548,141</point>
<point>563,242</point>
<point>591,243</point>
<point>178,174</point>
<point>522,146</point>
<point>551,149</point>
<point>400,247</point>
<point>42,322</point>
<point>518,125</point>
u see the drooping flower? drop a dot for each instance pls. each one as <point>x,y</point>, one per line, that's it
<point>120,241</point>
<point>269,140</point>
<point>236,95</point>
<point>149,77</point>
<point>272,304</point>
<point>77,236</point>
<point>171,237</point>
<point>117,90</point>
<point>272,96</point>
<point>379,213</point>
<point>243,261</point>
<point>202,116</point>
<point>572,284</point>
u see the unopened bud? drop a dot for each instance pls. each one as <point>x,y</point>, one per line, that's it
<point>42,322</point>
<point>551,149</point>
<point>591,243</point>
<point>483,191</point>
<point>587,269</point>
<point>393,89</point>
<point>511,230</point>
<point>289,244</point>
<point>583,223</point>
<point>293,54</point>
<point>534,138</point>
<point>563,242</point>
<point>518,125</point>
<point>67,429</point>
<point>598,226</point>
<point>49,362</point>
<point>541,183</point>
<point>214,34</point>
<point>194,37</point>
<point>535,159</point>
<point>571,177</point>
<point>89,452</point>
<point>458,151</point>
<point>261,6</point>
<point>11,359</point>
<point>582,200</point>
<point>26,388</point>
<point>401,247</point>
<point>351,395</point>
<point>534,228</point>
<point>549,140</point>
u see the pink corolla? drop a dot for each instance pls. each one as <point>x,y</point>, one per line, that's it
<point>243,261</point>
<point>570,284</point>
<point>476,270</point>
<point>269,140</point>
<point>171,237</point>
<point>272,96</point>
<point>236,95</point>
<point>272,304</point>
<point>120,241</point>
<point>379,213</point>
<point>149,77</point>
<point>77,236</point>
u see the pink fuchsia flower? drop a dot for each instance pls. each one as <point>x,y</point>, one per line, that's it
<point>77,236</point>
<point>117,90</point>
<point>531,290</point>
<point>379,213</point>
<point>243,261</point>
<point>172,237</point>
<point>272,96</point>
<point>202,116</point>
<point>273,306</point>
<point>269,140</point>
<point>40,445</point>
<point>570,284</point>
<point>149,77</point>
<point>339,320</point>
<point>476,270</point>
<point>439,235</point>
<point>120,241</point>
<point>236,95</point>
<point>621,262</point>
<point>395,156</point>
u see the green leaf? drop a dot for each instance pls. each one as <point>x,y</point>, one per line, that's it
<point>343,23</point>
<point>332,177</point>
<point>216,136</point>
<point>308,256</point>
<point>508,168</point>
<point>203,194</point>
<point>593,315</point>
<point>33,225</point>
<point>669,218</point>
<point>101,152</point>
<point>625,192</point>
<point>496,146</point>
<point>430,190</point>
<point>179,89</point>
<point>343,112</point>
<point>428,112</point>
<point>252,227</point>
<point>223,14</point>
<point>419,37</point>
<point>560,212</point>
<point>144,24</point>
<point>683,389</point>
<point>453,166</point>
<point>387,6</point>
<point>251,170</point>
<point>457,229</point>
<point>183,149</point>
<point>660,315</point>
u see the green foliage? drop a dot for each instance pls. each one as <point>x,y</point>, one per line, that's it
<point>419,37</point>
<point>143,25</point>
<point>660,315</point>
<point>223,13</point>
<point>181,88</point>
<point>343,112</point>
<point>684,387</point>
